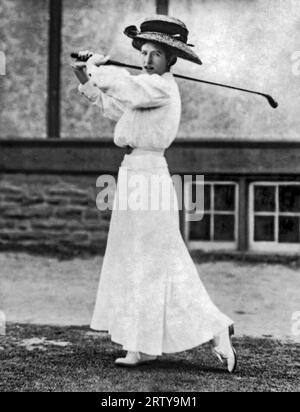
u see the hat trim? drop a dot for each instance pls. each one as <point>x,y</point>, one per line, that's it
<point>166,19</point>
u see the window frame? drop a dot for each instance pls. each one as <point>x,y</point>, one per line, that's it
<point>213,245</point>
<point>275,246</point>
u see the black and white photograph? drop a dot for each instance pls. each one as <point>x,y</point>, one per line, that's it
<point>149,198</point>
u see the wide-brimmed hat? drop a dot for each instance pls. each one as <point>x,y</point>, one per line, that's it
<point>165,30</point>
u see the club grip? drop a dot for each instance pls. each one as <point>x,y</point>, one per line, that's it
<point>76,56</point>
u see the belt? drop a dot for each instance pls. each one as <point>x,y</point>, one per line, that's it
<point>130,149</point>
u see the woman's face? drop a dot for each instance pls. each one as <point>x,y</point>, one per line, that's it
<point>154,59</point>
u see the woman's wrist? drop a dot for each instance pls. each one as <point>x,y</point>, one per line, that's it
<point>82,76</point>
<point>84,81</point>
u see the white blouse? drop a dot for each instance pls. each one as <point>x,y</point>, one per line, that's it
<point>147,108</point>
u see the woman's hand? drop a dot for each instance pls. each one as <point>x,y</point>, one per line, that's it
<point>98,59</point>
<point>85,54</point>
<point>80,67</point>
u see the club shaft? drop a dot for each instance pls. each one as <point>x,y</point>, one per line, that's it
<point>270,99</point>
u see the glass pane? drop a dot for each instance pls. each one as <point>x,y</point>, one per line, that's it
<point>225,198</point>
<point>264,198</point>
<point>289,198</point>
<point>200,230</point>
<point>289,229</point>
<point>224,228</point>
<point>207,190</point>
<point>264,229</point>
<point>23,91</point>
<point>207,194</point>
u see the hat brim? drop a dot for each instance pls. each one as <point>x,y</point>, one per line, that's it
<point>181,49</point>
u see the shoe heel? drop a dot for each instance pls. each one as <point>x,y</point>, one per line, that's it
<point>231,332</point>
<point>235,361</point>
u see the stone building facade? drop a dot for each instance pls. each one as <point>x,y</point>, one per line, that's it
<point>248,152</point>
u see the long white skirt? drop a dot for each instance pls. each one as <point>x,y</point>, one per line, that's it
<point>150,297</point>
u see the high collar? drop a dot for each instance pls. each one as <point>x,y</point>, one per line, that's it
<point>167,75</point>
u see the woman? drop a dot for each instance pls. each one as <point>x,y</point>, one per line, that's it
<point>150,297</point>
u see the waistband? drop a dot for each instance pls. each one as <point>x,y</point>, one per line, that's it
<point>141,151</point>
<point>145,161</point>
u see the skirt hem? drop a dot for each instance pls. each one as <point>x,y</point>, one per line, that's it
<point>208,337</point>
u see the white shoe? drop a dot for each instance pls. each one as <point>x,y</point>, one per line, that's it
<point>224,350</point>
<point>134,358</point>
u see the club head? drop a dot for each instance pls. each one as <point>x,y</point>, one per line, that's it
<point>271,101</point>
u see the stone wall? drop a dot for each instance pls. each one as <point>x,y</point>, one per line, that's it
<point>48,213</point>
<point>247,43</point>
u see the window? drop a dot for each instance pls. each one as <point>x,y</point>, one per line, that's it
<point>219,226</point>
<point>275,216</point>
<point>23,91</point>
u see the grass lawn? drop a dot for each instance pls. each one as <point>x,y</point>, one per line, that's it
<point>49,358</point>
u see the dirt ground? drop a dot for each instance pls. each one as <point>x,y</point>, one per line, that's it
<point>260,298</point>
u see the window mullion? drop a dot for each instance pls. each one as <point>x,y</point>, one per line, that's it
<point>54,63</point>
<point>212,222</point>
<point>162,7</point>
<point>277,214</point>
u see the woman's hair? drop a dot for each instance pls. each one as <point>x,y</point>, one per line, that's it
<point>170,53</point>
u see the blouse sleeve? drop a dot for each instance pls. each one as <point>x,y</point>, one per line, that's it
<point>142,91</point>
<point>109,107</point>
